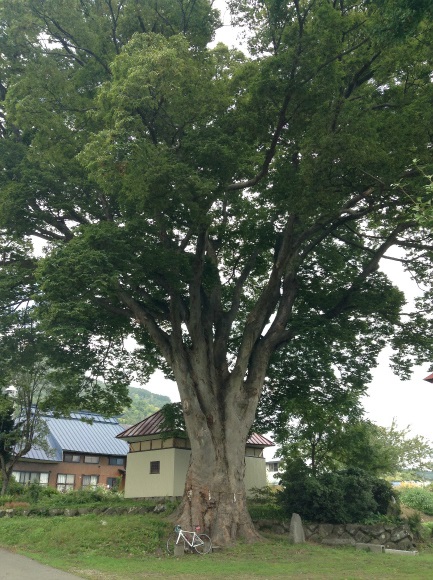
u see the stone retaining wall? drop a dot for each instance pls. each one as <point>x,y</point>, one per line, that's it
<point>398,537</point>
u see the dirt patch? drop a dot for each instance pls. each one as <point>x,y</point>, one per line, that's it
<point>15,504</point>
<point>407,512</point>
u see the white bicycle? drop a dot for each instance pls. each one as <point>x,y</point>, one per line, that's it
<point>200,542</point>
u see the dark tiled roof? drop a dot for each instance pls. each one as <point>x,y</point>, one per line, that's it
<point>73,434</point>
<point>152,426</point>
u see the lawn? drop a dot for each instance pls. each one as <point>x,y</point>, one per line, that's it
<point>133,547</point>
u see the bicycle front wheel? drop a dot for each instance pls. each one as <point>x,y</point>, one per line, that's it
<point>203,544</point>
<point>171,543</point>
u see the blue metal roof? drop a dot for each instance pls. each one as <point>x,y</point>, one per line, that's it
<point>73,434</point>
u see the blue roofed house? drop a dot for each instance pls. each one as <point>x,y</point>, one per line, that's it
<point>85,452</point>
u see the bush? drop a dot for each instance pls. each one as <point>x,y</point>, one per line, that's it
<point>265,495</point>
<point>85,496</point>
<point>262,504</point>
<point>35,493</point>
<point>417,498</point>
<point>14,488</point>
<point>6,499</point>
<point>350,496</point>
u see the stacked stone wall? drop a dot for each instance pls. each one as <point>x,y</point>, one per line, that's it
<point>398,537</point>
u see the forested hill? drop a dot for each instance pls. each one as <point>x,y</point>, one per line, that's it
<point>144,403</point>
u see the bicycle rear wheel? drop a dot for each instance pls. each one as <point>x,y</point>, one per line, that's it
<point>171,543</point>
<point>204,545</point>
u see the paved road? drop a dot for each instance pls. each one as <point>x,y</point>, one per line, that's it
<point>16,567</point>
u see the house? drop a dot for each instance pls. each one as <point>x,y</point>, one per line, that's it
<point>158,463</point>
<point>84,452</point>
<point>272,468</point>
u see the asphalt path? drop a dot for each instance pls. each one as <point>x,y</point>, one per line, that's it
<point>16,567</point>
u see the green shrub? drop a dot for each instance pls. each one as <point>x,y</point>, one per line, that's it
<point>6,499</point>
<point>35,493</point>
<point>14,488</point>
<point>86,496</point>
<point>417,498</point>
<point>262,494</point>
<point>263,504</point>
<point>350,496</point>
<point>427,531</point>
<point>386,497</point>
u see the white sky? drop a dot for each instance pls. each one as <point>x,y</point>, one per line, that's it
<point>410,402</point>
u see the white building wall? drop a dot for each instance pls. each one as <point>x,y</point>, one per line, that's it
<point>255,472</point>
<point>170,481</point>
<point>140,482</point>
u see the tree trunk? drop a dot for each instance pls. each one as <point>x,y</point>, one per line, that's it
<point>215,495</point>
<point>218,423</point>
<point>6,476</point>
<point>5,485</point>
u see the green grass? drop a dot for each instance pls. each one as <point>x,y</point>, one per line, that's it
<point>133,547</point>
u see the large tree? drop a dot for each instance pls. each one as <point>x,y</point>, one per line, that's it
<point>228,211</point>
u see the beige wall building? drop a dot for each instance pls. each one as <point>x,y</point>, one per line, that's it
<point>157,467</point>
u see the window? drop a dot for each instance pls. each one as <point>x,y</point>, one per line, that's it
<point>90,480</point>
<point>113,482</point>
<point>31,477</point>
<point>65,482</point>
<point>273,466</point>
<point>116,460</point>
<point>91,459</point>
<point>71,458</point>
<point>154,467</point>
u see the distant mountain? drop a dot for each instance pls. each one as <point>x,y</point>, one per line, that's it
<point>144,403</point>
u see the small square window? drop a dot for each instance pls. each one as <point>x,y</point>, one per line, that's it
<point>90,481</point>
<point>91,459</point>
<point>71,458</point>
<point>113,483</point>
<point>116,461</point>
<point>154,467</point>
<point>65,482</point>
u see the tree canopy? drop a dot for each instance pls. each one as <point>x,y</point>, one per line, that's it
<point>227,210</point>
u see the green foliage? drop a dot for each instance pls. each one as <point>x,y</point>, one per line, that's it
<point>15,489</point>
<point>334,436</point>
<point>9,433</point>
<point>6,498</point>
<point>173,423</point>
<point>263,504</point>
<point>427,531</point>
<point>34,493</point>
<point>84,497</point>
<point>349,496</point>
<point>143,403</point>
<point>417,498</point>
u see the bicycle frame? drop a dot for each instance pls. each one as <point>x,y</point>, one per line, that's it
<point>195,540</point>
<point>199,542</point>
